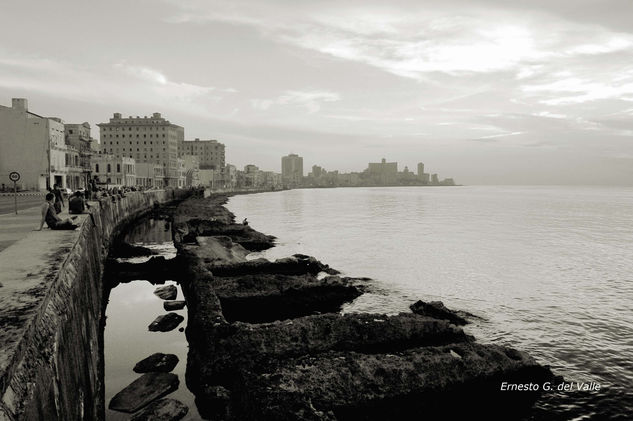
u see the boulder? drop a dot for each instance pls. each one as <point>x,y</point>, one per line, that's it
<point>142,391</point>
<point>167,292</point>
<point>162,410</point>
<point>158,362</point>
<point>437,310</point>
<point>165,322</point>
<point>174,305</point>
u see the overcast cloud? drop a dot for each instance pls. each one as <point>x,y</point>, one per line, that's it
<point>483,91</point>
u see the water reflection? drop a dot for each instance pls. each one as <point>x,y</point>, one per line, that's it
<point>131,308</point>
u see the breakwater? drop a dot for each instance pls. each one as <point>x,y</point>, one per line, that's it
<point>267,340</point>
<point>51,306</point>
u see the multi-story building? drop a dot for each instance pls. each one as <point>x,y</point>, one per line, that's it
<point>209,152</point>
<point>78,136</point>
<point>192,170</point>
<point>435,180</point>
<point>230,176</point>
<point>292,170</point>
<point>145,139</point>
<point>112,171</point>
<point>382,172</point>
<point>149,175</point>
<point>33,146</point>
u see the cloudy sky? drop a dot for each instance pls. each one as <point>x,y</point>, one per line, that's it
<point>485,91</point>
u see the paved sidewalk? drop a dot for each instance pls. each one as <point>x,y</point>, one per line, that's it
<point>15,227</point>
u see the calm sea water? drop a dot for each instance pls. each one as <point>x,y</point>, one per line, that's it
<point>548,270</point>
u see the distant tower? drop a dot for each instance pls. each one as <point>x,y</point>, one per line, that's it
<point>292,169</point>
<point>420,169</point>
<point>434,179</point>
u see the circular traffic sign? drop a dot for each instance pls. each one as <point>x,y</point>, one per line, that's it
<point>14,176</point>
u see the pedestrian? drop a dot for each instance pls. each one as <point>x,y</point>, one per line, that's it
<point>59,199</point>
<point>51,218</point>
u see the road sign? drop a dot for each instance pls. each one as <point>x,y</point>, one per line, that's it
<point>14,176</point>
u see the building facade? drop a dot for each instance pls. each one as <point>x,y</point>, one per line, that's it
<point>382,172</point>
<point>292,170</point>
<point>112,171</point>
<point>78,137</point>
<point>149,175</point>
<point>146,140</point>
<point>210,153</point>
<point>33,146</point>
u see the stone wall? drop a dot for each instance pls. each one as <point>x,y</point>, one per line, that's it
<point>51,306</point>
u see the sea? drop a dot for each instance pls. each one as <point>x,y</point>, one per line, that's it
<point>544,269</point>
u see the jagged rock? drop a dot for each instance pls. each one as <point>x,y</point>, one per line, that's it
<point>162,410</point>
<point>438,310</point>
<point>296,265</point>
<point>167,292</point>
<point>219,350</point>
<point>174,305</point>
<point>142,391</point>
<point>165,322</point>
<point>158,362</point>
<point>215,405</point>
<point>414,384</point>
<point>220,251</point>
<point>268,297</point>
<point>127,250</point>
<point>244,235</point>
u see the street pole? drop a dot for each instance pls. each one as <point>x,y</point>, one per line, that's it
<point>15,196</point>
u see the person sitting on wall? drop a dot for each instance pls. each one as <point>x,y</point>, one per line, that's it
<point>77,204</point>
<point>244,222</point>
<point>51,218</point>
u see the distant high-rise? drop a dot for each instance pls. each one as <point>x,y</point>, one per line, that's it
<point>292,170</point>
<point>146,139</point>
<point>434,179</point>
<point>420,169</point>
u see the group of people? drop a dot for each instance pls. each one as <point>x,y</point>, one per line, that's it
<point>53,205</point>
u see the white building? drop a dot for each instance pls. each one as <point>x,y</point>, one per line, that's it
<point>33,146</point>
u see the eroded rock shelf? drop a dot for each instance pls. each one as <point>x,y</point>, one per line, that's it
<point>267,340</point>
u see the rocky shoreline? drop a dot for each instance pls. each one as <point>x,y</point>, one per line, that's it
<point>267,340</point>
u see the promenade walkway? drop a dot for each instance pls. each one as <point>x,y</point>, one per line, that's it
<point>15,227</point>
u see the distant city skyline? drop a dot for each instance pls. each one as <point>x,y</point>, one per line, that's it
<point>486,92</point>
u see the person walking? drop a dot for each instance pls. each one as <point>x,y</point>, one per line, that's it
<point>59,199</point>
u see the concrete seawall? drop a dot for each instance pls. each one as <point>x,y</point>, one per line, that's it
<point>51,304</point>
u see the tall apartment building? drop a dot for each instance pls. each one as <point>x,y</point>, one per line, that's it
<point>32,145</point>
<point>78,137</point>
<point>210,152</point>
<point>147,140</point>
<point>292,170</point>
<point>420,169</point>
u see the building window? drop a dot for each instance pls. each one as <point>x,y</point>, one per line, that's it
<point>109,168</point>
<point>96,167</point>
<point>118,167</point>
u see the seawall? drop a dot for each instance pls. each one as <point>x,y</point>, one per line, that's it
<point>51,306</point>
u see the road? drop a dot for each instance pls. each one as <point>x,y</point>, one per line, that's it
<point>24,202</point>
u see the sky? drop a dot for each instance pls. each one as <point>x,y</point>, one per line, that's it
<point>484,91</point>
